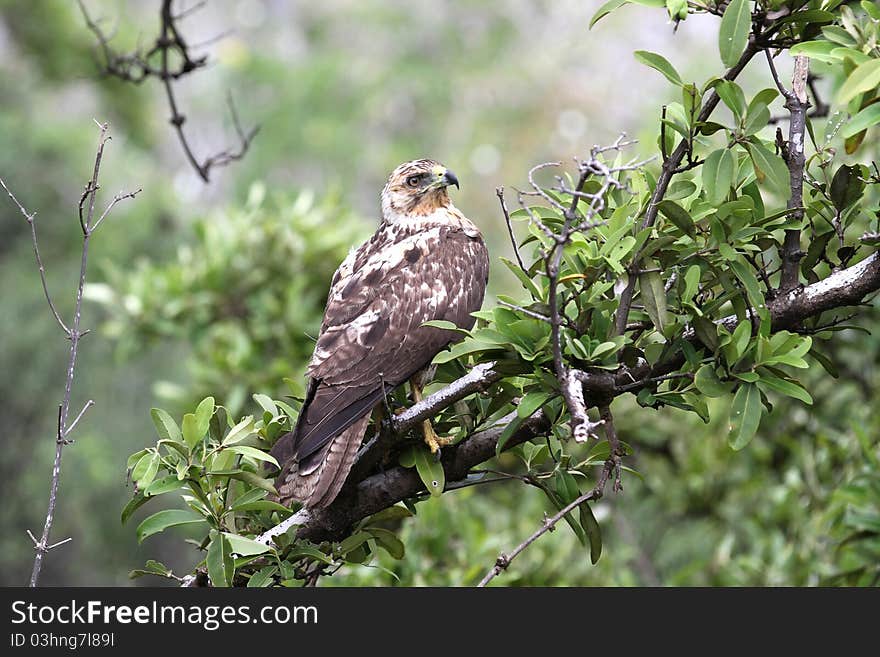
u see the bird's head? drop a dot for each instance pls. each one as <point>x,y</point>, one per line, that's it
<point>417,188</point>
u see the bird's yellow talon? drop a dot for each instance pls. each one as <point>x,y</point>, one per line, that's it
<point>432,440</point>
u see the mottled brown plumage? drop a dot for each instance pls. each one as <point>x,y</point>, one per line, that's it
<point>425,262</point>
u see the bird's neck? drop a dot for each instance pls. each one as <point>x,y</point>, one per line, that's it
<point>402,222</point>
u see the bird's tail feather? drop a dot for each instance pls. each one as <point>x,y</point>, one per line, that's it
<point>316,481</point>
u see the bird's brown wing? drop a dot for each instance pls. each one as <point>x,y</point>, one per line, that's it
<point>372,340</point>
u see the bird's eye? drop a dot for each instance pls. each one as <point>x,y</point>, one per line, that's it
<point>413,181</point>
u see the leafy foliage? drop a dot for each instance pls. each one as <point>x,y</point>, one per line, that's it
<point>700,245</point>
<point>245,293</point>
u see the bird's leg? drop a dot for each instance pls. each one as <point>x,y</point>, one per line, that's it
<point>432,440</point>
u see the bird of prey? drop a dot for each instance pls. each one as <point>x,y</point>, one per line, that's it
<point>426,261</point>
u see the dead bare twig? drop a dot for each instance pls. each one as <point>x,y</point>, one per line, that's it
<point>175,61</point>
<point>88,224</point>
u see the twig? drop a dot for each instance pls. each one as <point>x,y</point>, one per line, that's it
<point>499,192</point>
<point>31,219</point>
<point>504,560</point>
<point>136,67</point>
<point>86,211</point>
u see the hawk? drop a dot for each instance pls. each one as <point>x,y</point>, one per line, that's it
<point>426,261</point>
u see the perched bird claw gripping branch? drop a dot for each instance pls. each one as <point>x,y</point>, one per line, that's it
<point>425,262</point>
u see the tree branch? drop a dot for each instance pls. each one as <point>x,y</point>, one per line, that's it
<point>379,491</point>
<point>136,67</point>
<point>612,465</point>
<point>31,219</point>
<point>796,103</point>
<point>88,224</point>
<point>365,495</point>
<point>668,170</point>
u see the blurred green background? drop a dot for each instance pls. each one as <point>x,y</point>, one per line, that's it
<point>215,289</point>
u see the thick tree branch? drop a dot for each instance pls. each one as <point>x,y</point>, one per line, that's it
<point>385,489</point>
<point>797,104</point>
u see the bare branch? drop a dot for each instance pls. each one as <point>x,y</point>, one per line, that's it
<point>504,560</point>
<point>136,67</point>
<point>582,428</point>
<point>73,424</point>
<point>86,212</point>
<point>119,197</point>
<point>31,219</point>
<point>499,192</point>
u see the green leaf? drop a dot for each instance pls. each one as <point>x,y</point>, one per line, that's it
<point>192,433</point>
<point>691,282</point>
<point>594,532</point>
<point>770,169</point>
<point>253,453</point>
<point>749,281</point>
<point>820,50</point>
<point>734,32</point>
<point>745,416</point>
<point>680,189</point>
<point>388,540</point>
<point>133,505</point>
<point>301,551</point>
<point>247,477</point>
<point>788,388</point>
<point>262,578</point>
<point>523,278</point>
<point>871,9</point>
<point>509,430</point>
<point>240,431</point>
<point>846,187</point>
<point>166,427</point>
<point>606,9</point>
<point>266,403</point>
<point>739,341</point>
<point>164,485</point>
<point>659,63</point>
<point>145,471</point>
<point>678,216</point>
<point>531,402</point>
<point>654,298</point>
<point>407,457</point>
<point>162,520</point>
<point>430,471</point>
<point>441,324</point>
<point>677,9</point>
<point>708,383</point>
<point>733,96</point>
<point>353,542</point>
<point>395,512</point>
<point>866,118</point>
<point>691,101</point>
<point>245,547</point>
<point>203,414</point>
<point>865,78</point>
<point>262,505</point>
<point>718,170</point>
<point>219,561</point>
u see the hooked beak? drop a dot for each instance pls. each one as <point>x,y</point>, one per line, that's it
<point>449,178</point>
